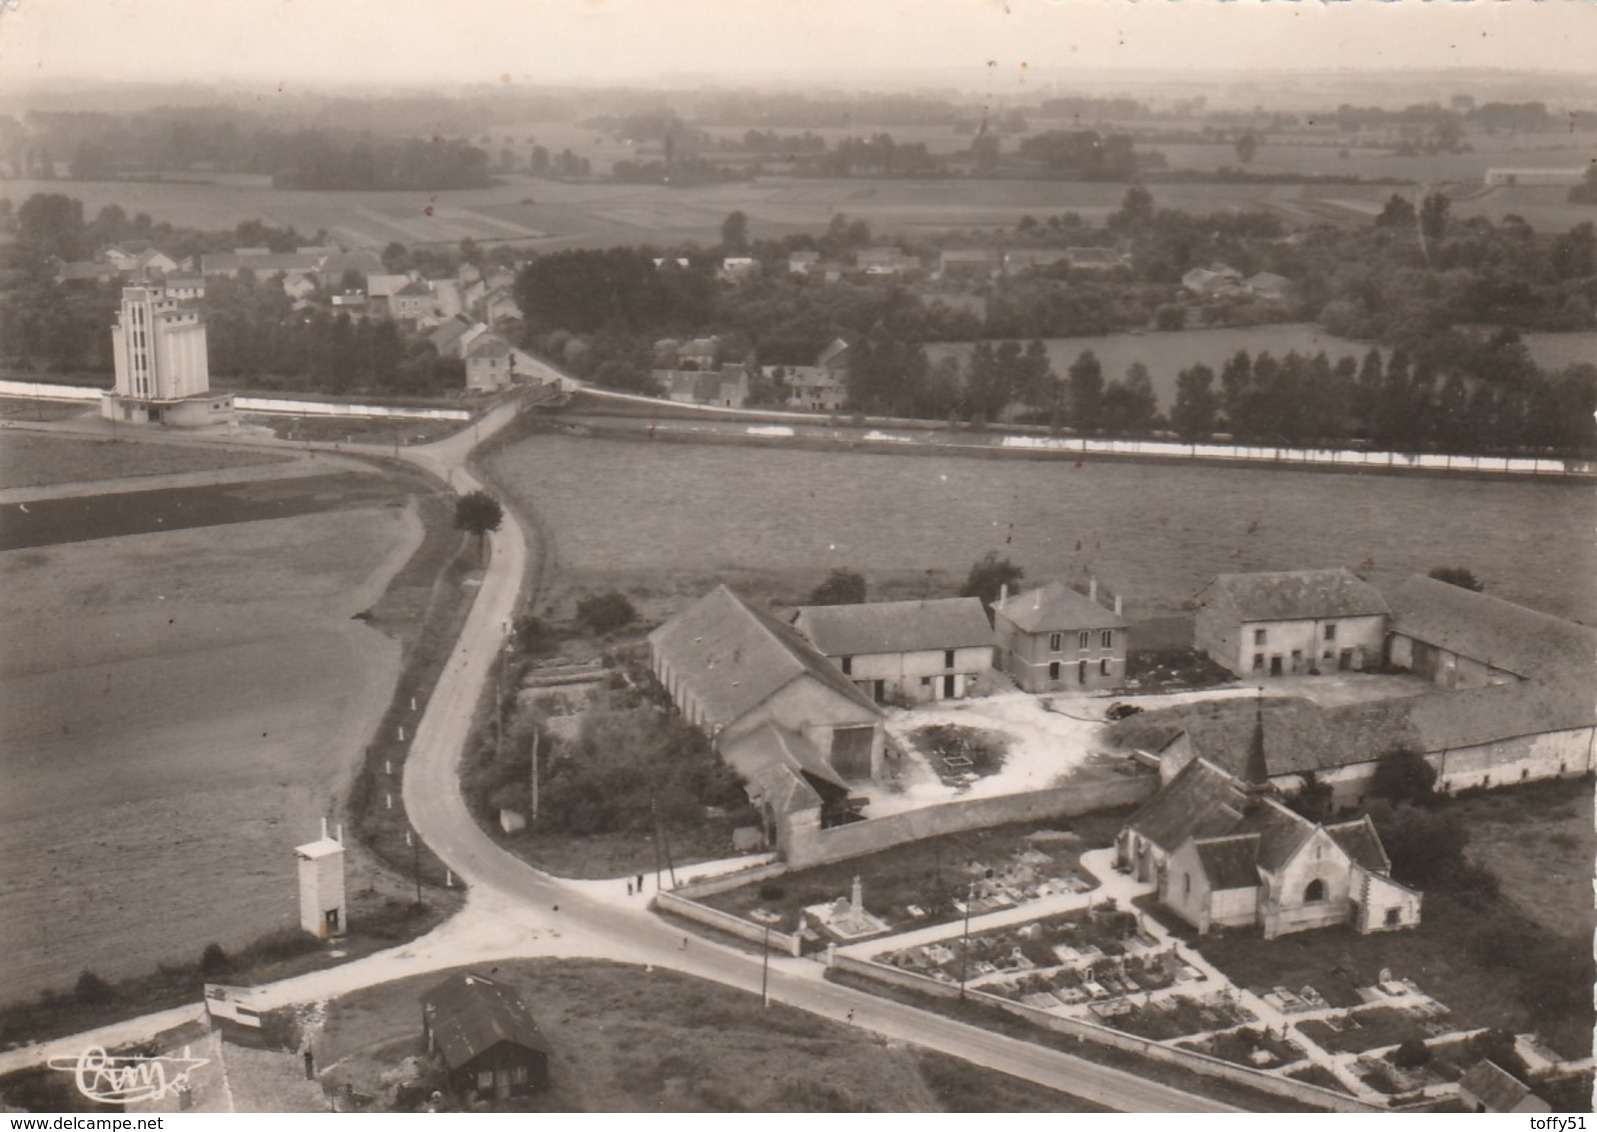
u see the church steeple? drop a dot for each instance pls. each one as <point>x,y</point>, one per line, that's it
<point>1255,771</point>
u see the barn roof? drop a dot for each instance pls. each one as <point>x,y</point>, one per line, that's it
<point>1230,862</point>
<point>1201,801</point>
<point>782,768</point>
<point>1488,629</point>
<point>1467,718</point>
<point>1057,607</point>
<point>471,1013</point>
<point>895,626</point>
<point>734,658</point>
<point>1292,595</point>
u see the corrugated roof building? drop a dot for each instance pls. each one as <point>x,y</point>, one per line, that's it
<point>485,1036</point>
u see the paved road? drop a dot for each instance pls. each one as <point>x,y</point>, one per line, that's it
<point>531,910</point>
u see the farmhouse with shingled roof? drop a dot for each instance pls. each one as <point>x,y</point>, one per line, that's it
<point>1291,623</point>
<point>1054,638</point>
<point>909,650</point>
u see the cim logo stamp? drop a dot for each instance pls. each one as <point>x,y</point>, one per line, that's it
<point>126,1080</point>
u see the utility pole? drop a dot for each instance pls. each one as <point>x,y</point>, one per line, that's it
<point>765,971</point>
<point>415,856</point>
<point>964,946</point>
<point>536,735</point>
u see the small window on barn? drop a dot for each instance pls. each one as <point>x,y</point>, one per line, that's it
<point>518,1075</point>
<point>948,658</point>
<point>925,681</point>
<point>1315,892</point>
<point>1056,641</point>
<point>848,666</point>
<point>1258,662</point>
<point>1330,632</point>
<point>1394,917</point>
<point>1258,637</point>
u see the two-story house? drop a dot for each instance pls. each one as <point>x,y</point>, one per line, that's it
<point>1054,638</point>
<point>1291,623</point>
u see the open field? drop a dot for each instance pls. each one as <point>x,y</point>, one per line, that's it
<point>33,461</point>
<point>177,709</point>
<point>630,1040</point>
<point>48,522</point>
<point>664,521</point>
<point>539,213</point>
<point>1548,877</point>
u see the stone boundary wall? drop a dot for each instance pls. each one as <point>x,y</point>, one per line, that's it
<point>42,391</point>
<point>724,922</point>
<point>1102,1035</point>
<point>803,848</point>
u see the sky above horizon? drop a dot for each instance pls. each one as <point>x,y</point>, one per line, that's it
<point>997,42</point>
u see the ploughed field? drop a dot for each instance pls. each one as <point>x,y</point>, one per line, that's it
<point>177,710</point>
<point>665,521</point>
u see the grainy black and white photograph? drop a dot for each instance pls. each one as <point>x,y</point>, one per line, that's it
<point>847,556</point>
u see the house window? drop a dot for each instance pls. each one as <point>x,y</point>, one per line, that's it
<point>1394,917</point>
<point>1258,638</point>
<point>948,658</point>
<point>1330,632</point>
<point>925,681</point>
<point>1108,639</point>
<point>1103,667</point>
<point>1056,641</point>
<point>1258,662</point>
<point>1315,892</point>
<point>1083,639</point>
<point>848,666</point>
<point>1053,671</point>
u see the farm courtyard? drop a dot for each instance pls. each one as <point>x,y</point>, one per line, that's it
<point>178,707</point>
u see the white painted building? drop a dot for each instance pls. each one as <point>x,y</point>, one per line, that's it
<point>1291,622</point>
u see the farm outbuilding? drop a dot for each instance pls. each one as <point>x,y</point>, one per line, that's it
<point>911,650</point>
<point>486,1038</point>
<point>1290,623</point>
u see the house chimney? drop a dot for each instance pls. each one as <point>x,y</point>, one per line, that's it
<point>324,829</point>
<point>1092,589</point>
<point>1118,609</point>
<point>1003,594</point>
<point>856,898</point>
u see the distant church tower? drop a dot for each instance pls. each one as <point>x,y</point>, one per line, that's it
<point>322,911</point>
<point>163,373</point>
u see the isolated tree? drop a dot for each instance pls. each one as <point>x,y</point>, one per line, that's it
<point>989,575</point>
<point>1458,576</point>
<point>478,513</point>
<point>735,231</point>
<point>1398,213</point>
<point>1247,146</point>
<point>606,612</point>
<point>842,587</point>
<point>1435,211</point>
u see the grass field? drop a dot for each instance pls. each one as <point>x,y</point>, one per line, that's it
<point>629,1040</point>
<point>35,461</point>
<point>540,213</point>
<point>664,521</point>
<point>177,709</point>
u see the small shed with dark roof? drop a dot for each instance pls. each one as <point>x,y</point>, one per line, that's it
<point>485,1036</point>
<point>1487,1087</point>
<point>1291,622</point>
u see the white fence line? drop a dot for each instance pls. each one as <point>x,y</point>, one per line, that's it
<point>42,391</point>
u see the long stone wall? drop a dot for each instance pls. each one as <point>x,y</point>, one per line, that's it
<point>725,922</point>
<point>1102,1035</point>
<point>803,847</point>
